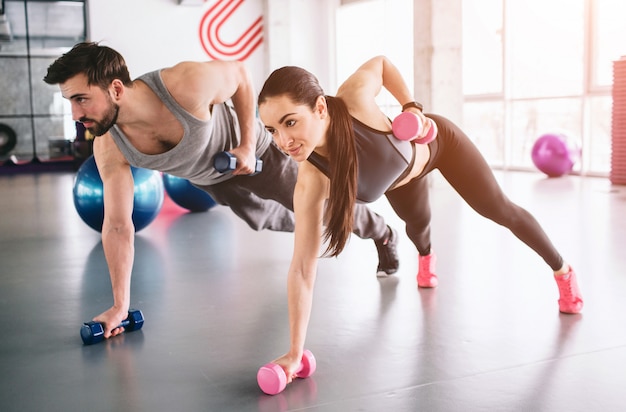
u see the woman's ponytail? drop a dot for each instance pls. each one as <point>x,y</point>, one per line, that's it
<point>343,177</point>
<point>302,87</point>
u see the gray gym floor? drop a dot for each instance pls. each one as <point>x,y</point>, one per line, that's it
<point>489,338</point>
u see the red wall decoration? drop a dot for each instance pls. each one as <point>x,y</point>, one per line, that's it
<point>219,24</point>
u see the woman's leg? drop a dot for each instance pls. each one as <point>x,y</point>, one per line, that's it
<point>469,174</point>
<point>411,204</point>
<point>462,165</point>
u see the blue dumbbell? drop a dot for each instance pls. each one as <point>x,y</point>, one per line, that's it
<point>224,161</point>
<point>93,332</point>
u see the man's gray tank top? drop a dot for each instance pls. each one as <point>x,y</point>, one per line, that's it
<point>192,157</point>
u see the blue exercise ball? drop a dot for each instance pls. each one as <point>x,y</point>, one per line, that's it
<point>89,200</point>
<point>186,195</point>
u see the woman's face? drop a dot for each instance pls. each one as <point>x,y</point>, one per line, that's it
<point>296,129</point>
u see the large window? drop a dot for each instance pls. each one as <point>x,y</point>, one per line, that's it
<point>369,28</point>
<point>529,67</point>
<point>35,32</point>
<point>537,66</point>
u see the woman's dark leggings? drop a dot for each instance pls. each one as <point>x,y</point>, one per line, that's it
<point>462,165</point>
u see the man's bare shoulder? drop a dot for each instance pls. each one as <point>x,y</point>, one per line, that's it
<point>106,152</point>
<point>198,84</point>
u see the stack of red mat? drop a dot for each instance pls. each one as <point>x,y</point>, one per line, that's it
<point>618,125</point>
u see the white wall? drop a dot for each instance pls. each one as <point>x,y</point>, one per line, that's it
<point>152,34</point>
<point>302,33</point>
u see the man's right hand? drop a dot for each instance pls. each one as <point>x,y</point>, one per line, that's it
<point>117,229</point>
<point>111,319</point>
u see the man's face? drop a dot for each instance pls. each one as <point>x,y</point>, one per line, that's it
<point>91,105</point>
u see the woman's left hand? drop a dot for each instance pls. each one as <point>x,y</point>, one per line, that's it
<point>290,365</point>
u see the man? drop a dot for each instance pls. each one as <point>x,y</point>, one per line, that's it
<point>176,120</point>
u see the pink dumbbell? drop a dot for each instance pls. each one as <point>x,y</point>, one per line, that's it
<point>272,379</point>
<point>407,126</point>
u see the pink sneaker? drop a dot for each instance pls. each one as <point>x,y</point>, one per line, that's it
<point>426,277</point>
<point>570,301</point>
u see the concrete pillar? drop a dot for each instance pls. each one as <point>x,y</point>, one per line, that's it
<point>438,56</point>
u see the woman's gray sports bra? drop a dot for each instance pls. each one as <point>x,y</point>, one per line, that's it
<point>382,161</point>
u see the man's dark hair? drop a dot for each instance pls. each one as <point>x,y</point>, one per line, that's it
<point>101,65</point>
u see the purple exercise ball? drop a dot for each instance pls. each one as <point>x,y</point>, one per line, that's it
<point>555,154</point>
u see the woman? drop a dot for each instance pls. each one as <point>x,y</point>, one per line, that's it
<point>346,153</point>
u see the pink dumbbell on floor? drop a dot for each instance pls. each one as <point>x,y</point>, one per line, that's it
<point>272,379</point>
<point>407,126</point>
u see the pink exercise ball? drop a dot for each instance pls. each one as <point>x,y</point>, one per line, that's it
<point>555,154</point>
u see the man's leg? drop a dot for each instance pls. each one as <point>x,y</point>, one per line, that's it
<point>275,185</point>
<point>258,213</point>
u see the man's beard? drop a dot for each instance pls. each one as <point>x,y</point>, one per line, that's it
<point>103,126</point>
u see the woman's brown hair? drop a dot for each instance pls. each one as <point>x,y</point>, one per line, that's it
<point>302,87</point>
